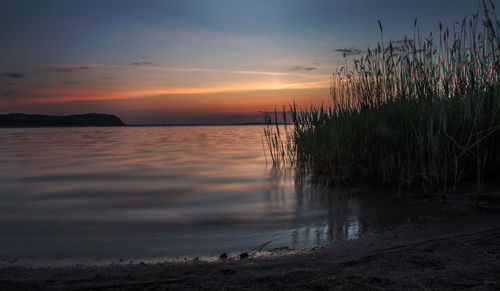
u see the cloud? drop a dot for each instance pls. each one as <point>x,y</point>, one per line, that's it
<point>302,68</point>
<point>13,75</point>
<point>140,63</point>
<point>350,51</point>
<point>6,93</point>
<point>71,83</point>
<point>68,69</point>
<point>109,78</point>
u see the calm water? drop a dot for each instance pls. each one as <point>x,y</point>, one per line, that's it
<point>163,192</point>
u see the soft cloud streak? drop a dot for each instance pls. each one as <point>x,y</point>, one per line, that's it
<point>13,75</point>
<point>140,63</point>
<point>302,68</point>
<point>350,51</point>
<point>149,66</point>
<point>6,93</point>
<point>68,68</point>
<point>45,95</point>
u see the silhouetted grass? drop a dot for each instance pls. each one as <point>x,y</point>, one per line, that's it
<point>414,112</point>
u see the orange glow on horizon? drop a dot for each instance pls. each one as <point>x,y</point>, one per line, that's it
<point>177,101</point>
<point>47,95</point>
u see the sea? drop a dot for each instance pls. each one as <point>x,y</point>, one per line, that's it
<point>142,193</point>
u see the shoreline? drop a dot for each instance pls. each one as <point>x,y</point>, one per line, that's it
<point>424,215</point>
<point>455,254</point>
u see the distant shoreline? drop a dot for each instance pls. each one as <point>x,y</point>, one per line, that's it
<point>200,124</point>
<point>139,125</point>
<point>22,120</point>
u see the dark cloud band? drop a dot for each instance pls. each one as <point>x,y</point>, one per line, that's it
<point>140,63</point>
<point>302,68</point>
<point>6,93</point>
<point>350,51</point>
<point>13,75</point>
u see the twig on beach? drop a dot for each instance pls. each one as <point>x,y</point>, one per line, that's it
<point>254,250</point>
<point>259,248</point>
<point>419,285</point>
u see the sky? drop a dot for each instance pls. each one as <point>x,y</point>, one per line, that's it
<point>191,61</point>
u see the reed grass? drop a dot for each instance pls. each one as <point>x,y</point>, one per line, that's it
<point>422,112</point>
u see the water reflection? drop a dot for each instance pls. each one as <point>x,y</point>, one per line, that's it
<point>325,215</point>
<point>137,192</point>
<point>321,215</point>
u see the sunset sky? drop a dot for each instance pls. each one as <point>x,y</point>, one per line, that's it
<point>190,61</point>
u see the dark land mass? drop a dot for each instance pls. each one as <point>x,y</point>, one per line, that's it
<point>456,255</point>
<point>204,124</point>
<point>39,120</point>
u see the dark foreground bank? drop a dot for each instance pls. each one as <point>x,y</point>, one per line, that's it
<point>39,120</point>
<point>459,254</point>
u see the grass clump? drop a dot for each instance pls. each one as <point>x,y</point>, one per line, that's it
<point>414,112</point>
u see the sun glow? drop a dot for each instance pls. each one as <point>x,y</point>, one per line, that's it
<point>58,94</point>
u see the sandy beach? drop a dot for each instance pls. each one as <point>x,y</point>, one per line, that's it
<point>459,254</point>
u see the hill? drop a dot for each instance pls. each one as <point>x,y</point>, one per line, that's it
<point>39,120</point>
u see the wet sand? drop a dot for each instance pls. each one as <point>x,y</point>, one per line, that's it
<point>459,254</point>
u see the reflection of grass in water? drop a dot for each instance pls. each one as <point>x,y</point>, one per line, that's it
<point>417,111</point>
